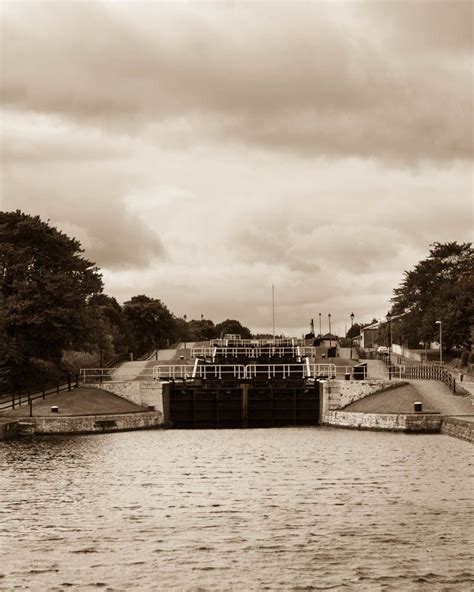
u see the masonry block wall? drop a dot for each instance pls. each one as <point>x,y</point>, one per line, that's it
<point>340,393</point>
<point>147,394</point>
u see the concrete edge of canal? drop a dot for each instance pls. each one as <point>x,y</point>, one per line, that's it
<point>409,423</point>
<point>81,424</point>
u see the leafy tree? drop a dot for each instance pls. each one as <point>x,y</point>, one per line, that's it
<point>354,331</point>
<point>233,326</point>
<point>112,326</point>
<point>438,288</point>
<point>45,285</point>
<point>200,330</point>
<point>151,323</point>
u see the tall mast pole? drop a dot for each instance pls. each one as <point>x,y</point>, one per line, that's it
<point>273,310</point>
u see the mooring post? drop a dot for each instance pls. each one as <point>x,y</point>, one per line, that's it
<point>245,405</point>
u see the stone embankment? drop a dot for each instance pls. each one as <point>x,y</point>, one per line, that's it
<point>89,424</point>
<point>458,427</point>
<point>8,429</point>
<point>393,422</point>
<point>375,405</point>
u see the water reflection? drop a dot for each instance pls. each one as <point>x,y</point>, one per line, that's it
<point>279,509</point>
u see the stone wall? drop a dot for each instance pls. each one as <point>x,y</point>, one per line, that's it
<point>340,393</point>
<point>147,394</point>
<point>459,428</point>
<point>8,429</point>
<point>85,424</point>
<point>394,422</point>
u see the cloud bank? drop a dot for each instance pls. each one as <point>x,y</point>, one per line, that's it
<point>202,152</point>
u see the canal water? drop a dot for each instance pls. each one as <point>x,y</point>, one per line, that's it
<point>243,510</point>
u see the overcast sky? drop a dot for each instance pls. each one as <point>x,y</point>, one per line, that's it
<point>203,151</point>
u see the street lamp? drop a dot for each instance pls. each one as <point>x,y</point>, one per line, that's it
<point>440,323</point>
<point>389,336</point>
<point>352,322</point>
<point>330,339</point>
<point>320,333</point>
<point>185,330</point>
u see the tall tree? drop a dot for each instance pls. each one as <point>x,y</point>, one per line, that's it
<point>112,324</point>
<point>45,285</point>
<point>233,326</point>
<point>151,323</point>
<point>438,288</point>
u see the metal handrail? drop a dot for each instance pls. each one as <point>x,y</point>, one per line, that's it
<point>252,352</point>
<point>274,370</point>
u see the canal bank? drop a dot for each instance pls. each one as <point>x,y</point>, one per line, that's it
<point>391,408</point>
<point>137,405</point>
<point>80,411</point>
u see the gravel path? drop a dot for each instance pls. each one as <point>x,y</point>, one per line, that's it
<point>435,396</point>
<point>440,398</point>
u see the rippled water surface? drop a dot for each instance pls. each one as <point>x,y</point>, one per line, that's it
<point>276,509</point>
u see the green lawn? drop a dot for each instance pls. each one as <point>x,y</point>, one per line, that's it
<point>80,401</point>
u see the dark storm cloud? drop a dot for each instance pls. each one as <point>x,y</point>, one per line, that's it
<point>306,78</point>
<point>85,201</point>
<point>203,151</point>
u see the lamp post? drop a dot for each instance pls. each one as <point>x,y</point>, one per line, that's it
<point>389,336</point>
<point>185,331</point>
<point>320,334</point>
<point>330,339</point>
<point>440,323</point>
<point>156,318</point>
<point>352,322</point>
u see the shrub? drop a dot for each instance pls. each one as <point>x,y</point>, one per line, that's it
<point>73,361</point>
<point>464,358</point>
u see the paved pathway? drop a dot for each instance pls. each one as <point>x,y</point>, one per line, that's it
<point>440,398</point>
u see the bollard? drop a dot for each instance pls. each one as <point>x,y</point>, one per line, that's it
<point>54,409</point>
<point>417,406</point>
<point>347,376</point>
<point>461,377</point>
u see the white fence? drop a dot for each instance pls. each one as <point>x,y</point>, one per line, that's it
<point>225,342</point>
<point>253,352</point>
<point>212,371</point>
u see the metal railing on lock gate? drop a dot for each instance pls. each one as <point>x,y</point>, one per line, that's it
<point>275,371</point>
<point>173,372</point>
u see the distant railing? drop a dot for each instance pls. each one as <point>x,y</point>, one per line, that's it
<point>267,351</point>
<point>321,370</point>
<point>94,375</point>
<point>117,360</point>
<point>281,342</point>
<point>430,372</point>
<point>275,371</point>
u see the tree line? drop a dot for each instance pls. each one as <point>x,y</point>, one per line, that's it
<point>54,316</point>
<point>438,288</point>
